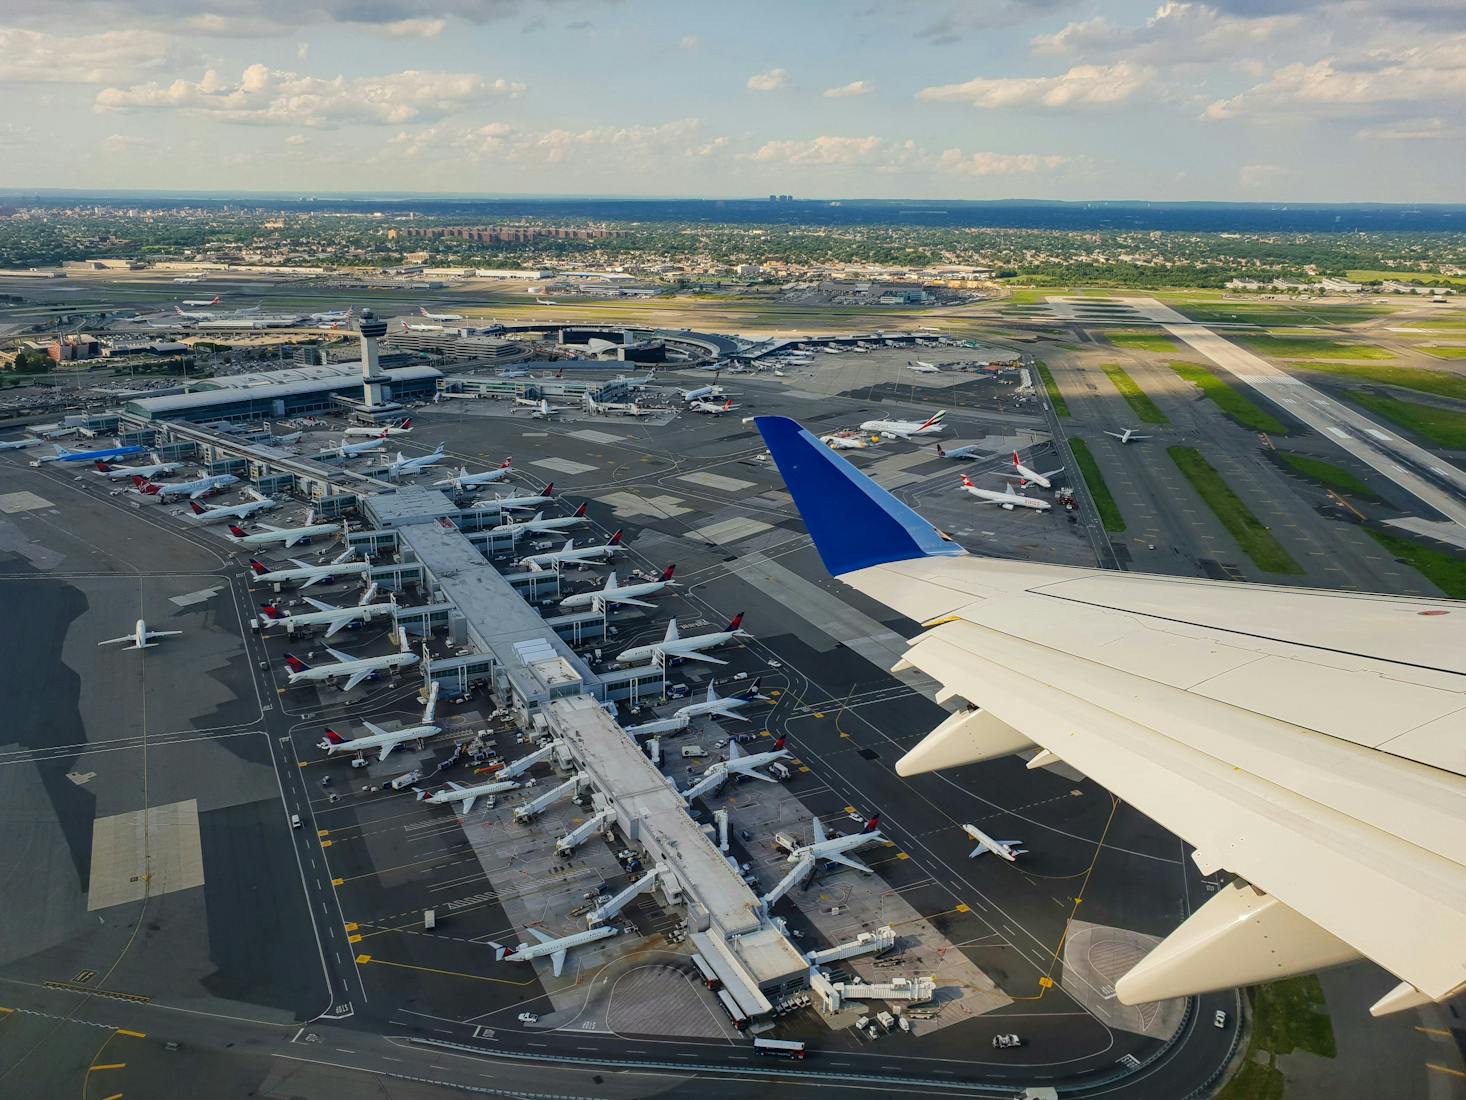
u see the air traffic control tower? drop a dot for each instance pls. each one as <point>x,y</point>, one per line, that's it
<point>373,378</point>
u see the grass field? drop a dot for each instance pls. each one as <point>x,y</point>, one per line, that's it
<point>1139,400</point>
<point>1056,399</point>
<point>1436,382</point>
<point>1256,541</point>
<point>1444,352</point>
<point>1310,347</point>
<point>1267,313</point>
<point>1326,473</point>
<point>1239,408</point>
<point>1104,500</point>
<point>1141,341</point>
<point>1443,427</point>
<point>1420,277</point>
<point>1286,1016</point>
<point>1444,570</point>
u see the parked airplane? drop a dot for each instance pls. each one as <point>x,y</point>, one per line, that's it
<point>614,592</point>
<point>141,637</point>
<point>339,566</point>
<point>619,408</point>
<point>65,454</point>
<point>420,328</point>
<point>285,536</point>
<point>121,473</point>
<point>1007,499</point>
<point>511,503</point>
<point>384,741</point>
<point>1003,849</point>
<point>712,408</point>
<point>556,949</point>
<point>202,303</point>
<point>379,431</point>
<point>354,669</point>
<point>17,444</point>
<point>416,464</point>
<point>198,487</point>
<point>737,764</point>
<point>334,618</point>
<point>702,393</point>
<point>465,481</point>
<point>215,513</point>
<point>346,451</point>
<point>439,316</point>
<point>836,849</point>
<point>673,646</point>
<point>529,526</point>
<point>1127,435</point>
<point>970,451</point>
<point>569,555</point>
<point>906,429</point>
<point>923,368</point>
<point>287,439</point>
<point>543,410</point>
<point>331,315</point>
<point>1023,475</point>
<point>841,442</point>
<point>456,792</point>
<point>1315,788</point>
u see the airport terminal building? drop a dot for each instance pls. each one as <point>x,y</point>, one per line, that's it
<point>296,391</point>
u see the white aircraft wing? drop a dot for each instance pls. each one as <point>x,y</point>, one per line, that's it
<point>374,729</point>
<point>468,804</point>
<point>755,774</point>
<point>200,493</point>
<point>356,678</point>
<point>319,605</point>
<point>625,600</point>
<point>336,627</point>
<point>694,655</point>
<point>728,712</point>
<point>558,961</point>
<point>292,538</point>
<point>119,641</point>
<point>542,936</point>
<point>386,750</point>
<point>1308,742</point>
<point>848,861</point>
<point>338,655</point>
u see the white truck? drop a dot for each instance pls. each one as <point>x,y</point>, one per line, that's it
<point>693,752</point>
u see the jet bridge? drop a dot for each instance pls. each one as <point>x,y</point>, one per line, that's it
<point>623,898</point>
<point>711,779</point>
<point>787,883</point>
<point>867,943</point>
<point>524,763</point>
<point>529,810</point>
<point>573,839</point>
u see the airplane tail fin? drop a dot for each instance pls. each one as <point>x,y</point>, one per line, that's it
<point>614,540</point>
<point>235,531</point>
<point>580,512</point>
<point>751,691</point>
<point>873,824</point>
<point>967,482</point>
<point>735,624</point>
<point>334,737</point>
<point>198,509</point>
<point>271,612</point>
<point>671,635</point>
<point>102,467</point>
<point>295,664</point>
<point>778,744</point>
<point>853,521</point>
<point>548,490</point>
<point>941,453</point>
<point>508,461</point>
<point>259,567</point>
<point>667,573</point>
<point>499,951</point>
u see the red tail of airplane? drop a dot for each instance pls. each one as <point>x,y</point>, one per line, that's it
<point>270,611</point>
<point>235,531</point>
<point>580,512</point>
<point>873,824</point>
<point>143,485</point>
<point>295,664</point>
<point>667,573</point>
<point>508,461</point>
<point>966,482</point>
<point>728,404</point>
<point>736,623</point>
<point>614,540</point>
<point>102,467</point>
<point>259,567</point>
<point>548,490</point>
<point>198,510</point>
<point>779,744</point>
<point>334,737</point>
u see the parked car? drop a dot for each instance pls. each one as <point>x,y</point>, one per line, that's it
<point>528,1018</point>
<point>1220,1019</point>
<point>1005,1042</point>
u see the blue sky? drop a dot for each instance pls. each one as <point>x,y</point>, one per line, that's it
<point>1327,100</point>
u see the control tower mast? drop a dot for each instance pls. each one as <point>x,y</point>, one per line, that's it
<point>373,379</point>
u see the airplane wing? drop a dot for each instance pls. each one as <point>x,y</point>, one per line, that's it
<point>1306,741</point>
<point>198,493</point>
<point>387,748</point>
<point>729,712</point>
<point>119,641</point>
<point>693,655</point>
<point>558,961</point>
<point>540,935</point>
<point>374,729</point>
<point>319,605</point>
<point>627,600</point>
<point>356,678</point>
<point>336,627</point>
<point>338,655</point>
<point>848,861</point>
<point>818,831</point>
<point>292,538</point>
<point>318,578</point>
<point>756,774</point>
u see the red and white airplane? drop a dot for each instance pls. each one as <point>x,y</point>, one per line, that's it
<point>907,429</point>
<point>712,408</point>
<point>614,592</point>
<point>674,646</point>
<point>1003,849</point>
<point>1023,475</point>
<point>1007,499</point>
<point>378,431</point>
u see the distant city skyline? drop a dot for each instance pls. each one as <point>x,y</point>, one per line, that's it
<point>1232,100</point>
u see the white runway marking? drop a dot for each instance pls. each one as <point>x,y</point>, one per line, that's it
<point>562,465</point>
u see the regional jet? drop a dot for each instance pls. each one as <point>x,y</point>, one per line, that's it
<point>1003,849</point>
<point>906,429</point>
<point>1305,744</point>
<point>384,741</point>
<point>354,669</point>
<point>456,792</point>
<point>285,536</point>
<point>1023,475</point>
<point>737,764</point>
<point>673,646</point>
<point>615,592</point>
<point>339,566</point>
<point>141,637</point>
<point>556,949</point>
<point>836,849</point>
<point>1007,499</point>
<point>1127,435</point>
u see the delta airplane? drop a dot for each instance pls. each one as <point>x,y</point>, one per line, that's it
<point>214,513</point>
<point>923,368</point>
<point>345,451</point>
<point>335,619</point>
<point>456,792</point>
<point>1023,475</point>
<point>198,487</point>
<point>416,464</point>
<point>532,500</point>
<point>539,523</point>
<point>906,429</point>
<point>355,669</point>
<point>568,554</point>
<point>736,764</point>
<point>17,444</point>
<point>971,451</point>
<point>1127,435</point>
<point>285,536</point>
<point>1328,786</point>
<point>673,646</point>
<point>120,473</point>
<point>359,431</point>
<point>420,328</point>
<point>556,949</point>
<point>1007,499</point>
<point>836,849</point>
<point>465,481</point>
<point>439,316</point>
<point>383,740</point>
<point>65,454</point>
<point>1003,849</point>
<point>614,592</point>
<point>141,637</point>
<point>339,566</point>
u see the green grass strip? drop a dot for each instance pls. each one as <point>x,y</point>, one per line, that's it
<point>1141,341</point>
<point>1444,570</point>
<point>1256,541</point>
<point>1443,427</point>
<point>1287,1016</point>
<point>1238,407</point>
<point>1139,400</point>
<point>1310,347</point>
<point>1435,382</point>
<point>1326,473</point>
<point>1104,500</point>
<point>1056,399</point>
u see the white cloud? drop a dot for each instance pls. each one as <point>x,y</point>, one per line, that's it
<point>1422,129</point>
<point>1178,32</point>
<point>504,143</point>
<point>414,28</point>
<point>689,42</point>
<point>302,51</point>
<point>1253,177</point>
<point>1001,164</point>
<point>265,96</point>
<point>826,151</point>
<point>885,156</point>
<point>120,143</point>
<point>854,88</point>
<point>1082,86</point>
<point>770,81</point>
<point>296,139</point>
<point>31,57</point>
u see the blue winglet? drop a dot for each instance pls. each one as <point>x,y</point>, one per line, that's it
<point>853,521</point>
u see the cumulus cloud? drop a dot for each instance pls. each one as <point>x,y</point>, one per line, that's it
<point>770,81</point>
<point>885,156</point>
<point>689,42</point>
<point>505,143</point>
<point>977,16</point>
<point>31,57</point>
<point>854,88</point>
<point>120,143</point>
<point>414,28</point>
<point>1001,164</point>
<point>1424,129</point>
<point>1082,86</point>
<point>1177,32</point>
<point>265,96</point>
